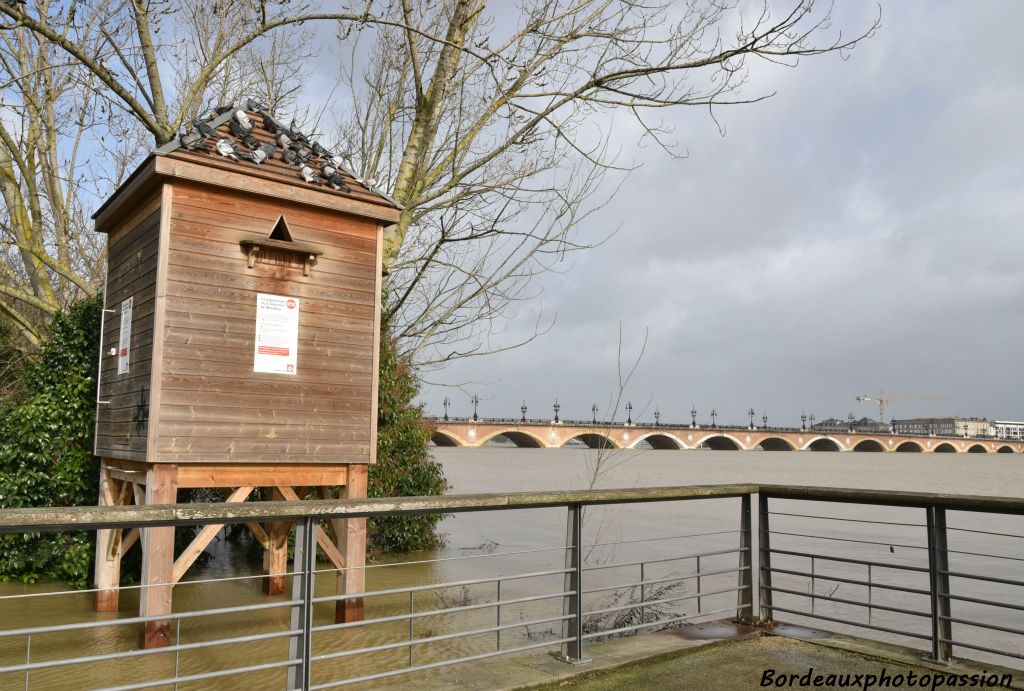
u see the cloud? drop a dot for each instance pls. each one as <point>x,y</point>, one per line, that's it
<point>860,231</point>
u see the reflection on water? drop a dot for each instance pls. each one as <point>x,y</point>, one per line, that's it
<point>613,535</point>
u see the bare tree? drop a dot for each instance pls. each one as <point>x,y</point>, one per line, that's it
<point>498,140</point>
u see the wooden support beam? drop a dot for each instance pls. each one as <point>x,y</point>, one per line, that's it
<point>259,533</point>
<point>205,536</point>
<point>322,539</point>
<point>107,572</point>
<point>157,560</point>
<point>275,556</point>
<point>352,544</point>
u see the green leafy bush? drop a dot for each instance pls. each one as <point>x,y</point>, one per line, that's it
<point>404,466</point>
<point>46,448</point>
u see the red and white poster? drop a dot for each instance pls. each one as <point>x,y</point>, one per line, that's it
<point>124,340</point>
<point>277,334</point>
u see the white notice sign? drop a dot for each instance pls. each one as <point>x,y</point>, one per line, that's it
<point>277,334</point>
<point>124,341</point>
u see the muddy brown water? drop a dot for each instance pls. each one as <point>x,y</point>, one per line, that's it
<point>488,545</point>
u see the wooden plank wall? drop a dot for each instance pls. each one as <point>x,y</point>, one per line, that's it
<point>213,407</point>
<point>122,422</point>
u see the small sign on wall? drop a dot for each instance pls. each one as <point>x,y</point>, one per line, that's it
<point>124,340</point>
<point>277,334</point>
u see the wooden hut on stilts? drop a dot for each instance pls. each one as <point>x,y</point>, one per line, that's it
<point>239,345</point>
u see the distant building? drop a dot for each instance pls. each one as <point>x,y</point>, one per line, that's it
<point>944,426</point>
<point>865,425</point>
<point>1004,429</point>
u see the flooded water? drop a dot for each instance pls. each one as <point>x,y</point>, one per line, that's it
<point>489,545</point>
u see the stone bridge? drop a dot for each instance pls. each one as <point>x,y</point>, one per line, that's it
<point>550,435</point>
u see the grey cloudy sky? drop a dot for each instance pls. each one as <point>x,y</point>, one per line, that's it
<point>860,231</point>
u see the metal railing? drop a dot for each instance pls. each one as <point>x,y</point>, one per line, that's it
<point>909,580</point>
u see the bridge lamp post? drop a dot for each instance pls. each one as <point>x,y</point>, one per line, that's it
<point>764,420</point>
<point>714,414</point>
<point>629,414</point>
<point>557,408</point>
<point>447,402</point>
<point>811,418</point>
<point>803,422</point>
<point>657,417</point>
<point>751,414</point>
<point>849,419</point>
<point>522,409</point>
<point>693,417</point>
<point>593,409</point>
<point>476,401</point>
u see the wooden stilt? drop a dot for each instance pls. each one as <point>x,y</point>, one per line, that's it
<point>275,556</point>
<point>157,560</point>
<point>107,574</point>
<point>352,544</point>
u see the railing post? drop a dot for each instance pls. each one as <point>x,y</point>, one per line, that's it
<point>300,645</point>
<point>745,594</point>
<point>572,651</point>
<point>764,557</point>
<point>938,572</point>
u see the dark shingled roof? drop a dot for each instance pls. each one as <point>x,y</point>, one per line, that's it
<point>274,168</point>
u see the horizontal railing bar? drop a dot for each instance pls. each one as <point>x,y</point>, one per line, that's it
<point>170,616</point>
<point>982,554</point>
<point>664,601</point>
<point>416,562</point>
<point>804,613</point>
<point>663,622</point>
<point>434,639</point>
<point>845,601</point>
<point>848,520</point>
<point>124,654</point>
<point>661,561</point>
<point>985,532</point>
<point>851,581</point>
<point>437,612</point>
<point>656,539</point>
<point>81,518</point>
<point>978,624</point>
<point>849,560</point>
<point>684,577</point>
<point>980,601</point>
<point>58,519</point>
<point>439,586</point>
<point>202,675</point>
<point>847,539</point>
<point>974,646</point>
<point>436,665</point>
<point>954,502</point>
<point>979,577</point>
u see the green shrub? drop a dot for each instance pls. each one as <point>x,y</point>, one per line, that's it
<point>46,456</point>
<point>404,466</point>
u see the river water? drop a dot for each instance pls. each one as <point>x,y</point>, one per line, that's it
<point>491,544</point>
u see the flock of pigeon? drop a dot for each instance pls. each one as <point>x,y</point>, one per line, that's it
<point>296,148</point>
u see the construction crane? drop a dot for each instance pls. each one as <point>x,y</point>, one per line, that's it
<point>882,399</point>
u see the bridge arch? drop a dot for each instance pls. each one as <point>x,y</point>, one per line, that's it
<point>594,440</point>
<point>977,448</point>
<point>871,445</point>
<point>823,444</point>
<point>945,447</point>
<point>523,440</point>
<point>909,446</point>
<point>1005,449</point>
<point>719,442</point>
<point>444,439</point>
<point>773,444</point>
<point>660,441</point>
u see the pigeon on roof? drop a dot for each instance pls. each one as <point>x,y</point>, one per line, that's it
<point>307,174</point>
<point>226,148</point>
<point>205,128</point>
<point>193,141</point>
